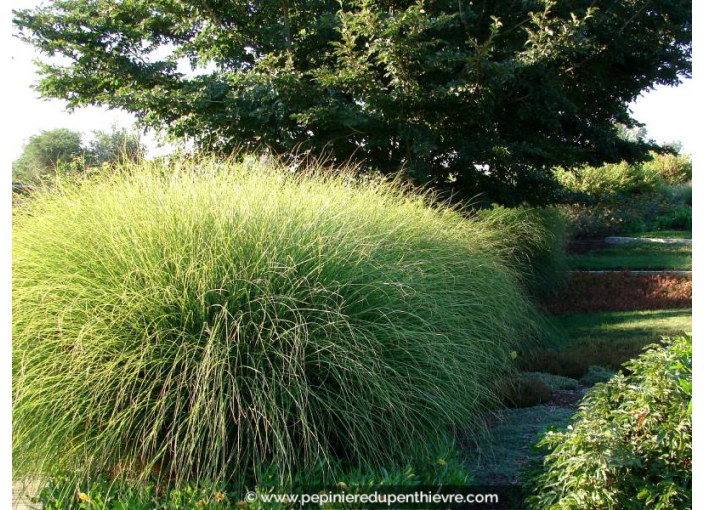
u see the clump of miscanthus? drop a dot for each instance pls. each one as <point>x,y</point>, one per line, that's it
<point>212,320</point>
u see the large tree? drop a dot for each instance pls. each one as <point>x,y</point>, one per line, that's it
<point>49,151</point>
<point>476,96</point>
<point>44,152</point>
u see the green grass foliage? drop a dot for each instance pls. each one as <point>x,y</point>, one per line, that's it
<point>635,256</point>
<point>631,444</point>
<point>534,243</point>
<point>212,321</point>
<point>101,493</point>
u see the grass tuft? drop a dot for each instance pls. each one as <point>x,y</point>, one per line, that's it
<point>209,321</point>
<point>533,241</point>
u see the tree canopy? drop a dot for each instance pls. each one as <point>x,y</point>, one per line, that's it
<point>45,151</point>
<point>480,96</point>
<point>48,150</point>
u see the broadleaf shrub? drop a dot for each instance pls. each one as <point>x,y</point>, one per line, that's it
<point>622,199</point>
<point>631,444</point>
<point>210,321</point>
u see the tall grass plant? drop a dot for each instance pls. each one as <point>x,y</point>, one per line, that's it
<point>208,320</point>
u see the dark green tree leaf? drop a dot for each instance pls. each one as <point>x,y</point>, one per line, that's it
<point>473,97</point>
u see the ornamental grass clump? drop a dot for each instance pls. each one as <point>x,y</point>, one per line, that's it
<point>205,320</point>
<point>533,241</point>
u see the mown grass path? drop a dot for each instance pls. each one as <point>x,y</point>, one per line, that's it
<point>634,256</point>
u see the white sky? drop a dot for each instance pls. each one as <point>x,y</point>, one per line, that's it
<point>663,110</point>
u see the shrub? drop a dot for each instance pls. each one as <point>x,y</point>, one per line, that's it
<point>533,240</point>
<point>554,382</point>
<point>523,392</point>
<point>671,168</point>
<point>679,218</point>
<point>610,180</point>
<point>211,321</point>
<point>678,194</point>
<point>629,215</point>
<point>622,291</point>
<point>625,199</point>
<point>631,443</point>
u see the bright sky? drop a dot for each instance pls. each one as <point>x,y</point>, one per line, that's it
<point>663,110</point>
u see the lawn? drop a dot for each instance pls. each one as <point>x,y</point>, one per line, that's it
<point>613,327</point>
<point>603,339</point>
<point>612,338</point>
<point>635,256</point>
<point>665,234</point>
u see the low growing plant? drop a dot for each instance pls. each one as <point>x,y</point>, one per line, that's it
<point>596,374</point>
<point>563,363</point>
<point>630,446</point>
<point>206,321</point>
<point>69,493</point>
<point>623,291</point>
<point>523,392</point>
<point>554,382</point>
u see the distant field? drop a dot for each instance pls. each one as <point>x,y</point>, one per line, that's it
<point>635,256</point>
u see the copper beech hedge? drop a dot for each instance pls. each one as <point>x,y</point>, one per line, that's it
<point>622,291</point>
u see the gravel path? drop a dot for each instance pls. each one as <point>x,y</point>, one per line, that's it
<point>508,449</point>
